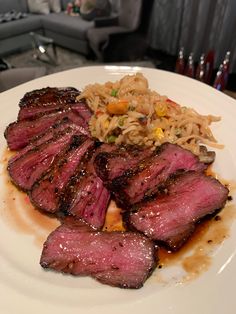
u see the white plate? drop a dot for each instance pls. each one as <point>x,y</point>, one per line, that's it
<point>26,288</point>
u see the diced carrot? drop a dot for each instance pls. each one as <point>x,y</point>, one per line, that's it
<point>118,107</point>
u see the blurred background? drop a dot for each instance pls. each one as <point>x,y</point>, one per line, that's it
<point>191,37</point>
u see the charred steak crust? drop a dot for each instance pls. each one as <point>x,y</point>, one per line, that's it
<point>67,194</point>
<point>120,259</point>
<point>26,170</point>
<point>85,196</point>
<point>56,128</point>
<point>45,193</point>
<point>109,165</point>
<point>18,134</point>
<point>49,95</point>
<point>46,100</point>
<point>170,218</point>
<point>143,180</point>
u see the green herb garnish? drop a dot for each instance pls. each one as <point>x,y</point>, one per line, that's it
<point>121,121</point>
<point>111,139</point>
<point>114,92</point>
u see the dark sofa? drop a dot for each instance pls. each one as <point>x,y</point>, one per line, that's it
<point>67,31</point>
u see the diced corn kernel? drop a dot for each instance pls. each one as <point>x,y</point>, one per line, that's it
<point>161,109</point>
<point>159,134</point>
<point>106,124</point>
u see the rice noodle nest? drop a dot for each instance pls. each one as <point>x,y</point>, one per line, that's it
<point>145,117</point>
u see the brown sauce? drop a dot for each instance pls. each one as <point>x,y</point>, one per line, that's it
<point>113,221</point>
<point>18,212</point>
<point>194,257</point>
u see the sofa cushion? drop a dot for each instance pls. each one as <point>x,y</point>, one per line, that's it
<point>21,26</point>
<point>11,16</point>
<point>39,6</point>
<point>9,5</point>
<point>55,5</point>
<point>74,26</point>
<point>91,9</point>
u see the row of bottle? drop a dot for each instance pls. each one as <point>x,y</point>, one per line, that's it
<point>203,71</point>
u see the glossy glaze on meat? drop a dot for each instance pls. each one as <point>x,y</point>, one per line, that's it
<point>170,218</point>
<point>110,165</point>
<point>86,197</point>
<point>51,132</point>
<point>46,100</point>
<point>26,170</point>
<point>45,193</point>
<point>144,179</point>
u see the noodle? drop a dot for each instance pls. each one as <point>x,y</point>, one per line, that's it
<point>128,112</point>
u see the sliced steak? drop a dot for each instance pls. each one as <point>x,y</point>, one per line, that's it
<point>19,134</point>
<point>58,127</point>
<point>46,100</point>
<point>171,218</point>
<point>88,199</point>
<point>45,193</point>
<point>120,259</point>
<point>29,167</point>
<point>144,180</point>
<point>83,110</point>
<point>110,165</point>
<point>85,196</point>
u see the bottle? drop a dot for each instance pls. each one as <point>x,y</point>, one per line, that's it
<point>69,8</point>
<point>180,63</point>
<point>226,68</point>
<point>209,64</point>
<point>189,70</point>
<point>200,72</point>
<point>219,79</point>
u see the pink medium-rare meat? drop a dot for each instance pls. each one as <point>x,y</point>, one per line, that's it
<point>144,179</point>
<point>56,128</point>
<point>171,218</point>
<point>19,134</point>
<point>85,197</point>
<point>46,100</point>
<point>120,259</point>
<point>29,167</point>
<point>45,193</point>
<point>110,165</point>
<point>83,110</point>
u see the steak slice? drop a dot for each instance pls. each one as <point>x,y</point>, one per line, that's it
<point>46,100</point>
<point>30,167</point>
<point>144,180</point>
<point>83,110</point>
<point>85,197</point>
<point>45,193</point>
<point>171,218</point>
<point>109,165</point>
<point>58,127</point>
<point>120,259</point>
<point>19,134</point>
